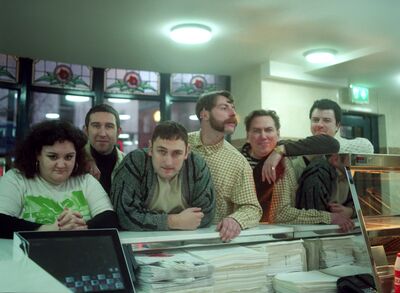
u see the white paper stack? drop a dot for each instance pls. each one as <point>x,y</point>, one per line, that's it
<point>173,271</point>
<point>313,247</point>
<point>304,282</point>
<point>347,270</point>
<point>237,268</point>
<point>283,256</point>
<point>336,251</point>
<point>360,251</point>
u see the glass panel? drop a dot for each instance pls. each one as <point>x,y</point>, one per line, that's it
<point>378,193</point>
<point>192,85</point>
<point>185,113</point>
<point>128,81</point>
<point>61,75</point>
<point>138,119</point>
<point>8,120</point>
<point>375,186</point>
<point>54,106</point>
<point>8,68</point>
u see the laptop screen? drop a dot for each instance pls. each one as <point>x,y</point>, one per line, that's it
<point>84,261</point>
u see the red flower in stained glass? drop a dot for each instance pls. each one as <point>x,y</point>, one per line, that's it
<point>63,73</point>
<point>132,79</point>
<point>198,84</point>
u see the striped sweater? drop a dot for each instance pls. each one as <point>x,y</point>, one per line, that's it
<point>134,184</point>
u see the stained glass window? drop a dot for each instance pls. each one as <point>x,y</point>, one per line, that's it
<point>185,113</point>
<point>138,120</point>
<point>8,120</point>
<point>127,81</point>
<point>193,85</point>
<point>54,106</point>
<point>8,68</point>
<point>62,75</point>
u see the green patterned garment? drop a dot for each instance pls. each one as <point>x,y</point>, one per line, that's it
<point>44,210</point>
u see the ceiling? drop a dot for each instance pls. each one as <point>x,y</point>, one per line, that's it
<point>133,34</point>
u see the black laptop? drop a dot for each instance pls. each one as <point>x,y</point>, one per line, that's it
<point>84,261</point>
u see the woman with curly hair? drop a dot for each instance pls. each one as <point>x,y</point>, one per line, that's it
<point>48,189</point>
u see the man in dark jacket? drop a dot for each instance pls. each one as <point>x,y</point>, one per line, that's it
<point>165,187</point>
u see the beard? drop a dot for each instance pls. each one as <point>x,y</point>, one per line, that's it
<point>220,125</point>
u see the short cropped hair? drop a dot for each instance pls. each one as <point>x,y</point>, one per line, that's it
<point>207,101</point>
<point>258,113</point>
<point>103,108</point>
<point>47,133</point>
<point>326,104</point>
<point>170,130</point>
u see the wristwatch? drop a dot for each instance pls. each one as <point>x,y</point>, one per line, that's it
<point>280,149</point>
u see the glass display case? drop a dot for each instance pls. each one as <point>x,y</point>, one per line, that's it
<point>375,186</point>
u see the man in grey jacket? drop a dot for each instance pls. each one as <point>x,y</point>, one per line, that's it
<point>165,187</point>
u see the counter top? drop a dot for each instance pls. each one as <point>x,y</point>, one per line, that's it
<point>24,275</point>
<point>128,237</point>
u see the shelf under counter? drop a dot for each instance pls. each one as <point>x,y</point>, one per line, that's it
<point>156,240</point>
<point>378,226</point>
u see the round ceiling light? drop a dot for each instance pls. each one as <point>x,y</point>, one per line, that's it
<point>320,56</point>
<point>77,99</point>
<point>190,33</point>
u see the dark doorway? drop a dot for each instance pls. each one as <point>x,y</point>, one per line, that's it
<point>355,124</point>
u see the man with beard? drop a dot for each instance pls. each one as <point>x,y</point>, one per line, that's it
<point>236,200</point>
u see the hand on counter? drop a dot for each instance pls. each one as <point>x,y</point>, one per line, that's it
<point>67,220</point>
<point>188,219</point>
<point>228,229</point>
<point>341,209</point>
<point>345,223</point>
<point>71,220</point>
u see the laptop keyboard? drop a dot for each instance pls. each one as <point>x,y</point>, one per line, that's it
<point>94,283</point>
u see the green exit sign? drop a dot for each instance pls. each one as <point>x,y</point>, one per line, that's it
<point>359,95</point>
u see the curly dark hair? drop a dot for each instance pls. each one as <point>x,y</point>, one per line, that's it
<point>47,133</point>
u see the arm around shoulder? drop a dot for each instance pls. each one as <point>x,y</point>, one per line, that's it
<point>311,145</point>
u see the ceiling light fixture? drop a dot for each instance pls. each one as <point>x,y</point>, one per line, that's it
<point>124,116</point>
<point>320,56</point>
<point>190,33</point>
<point>193,117</point>
<point>157,116</point>
<point>118,101</point>
<point>77,99</point>
<point>123,135</point>
<point>52,115</point>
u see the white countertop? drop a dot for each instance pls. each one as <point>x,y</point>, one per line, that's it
<point>128,237</point>
<point>23,275</point>
<point>20,274</point>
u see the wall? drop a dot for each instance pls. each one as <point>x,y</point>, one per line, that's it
<point>293,100</point>
<point>388,104</point>
<point>246,89</point>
